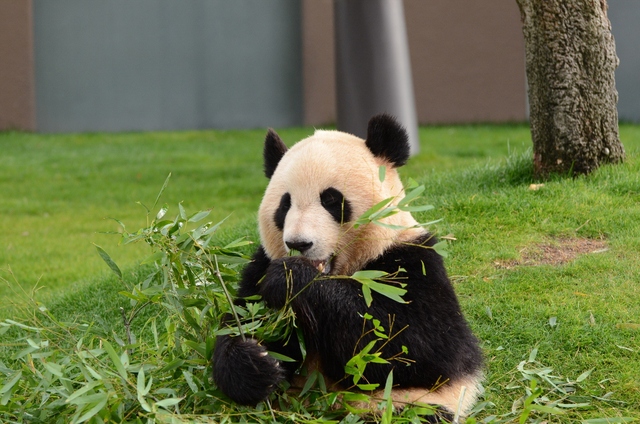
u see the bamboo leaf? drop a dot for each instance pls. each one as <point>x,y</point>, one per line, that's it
<point>166,403</point>
<point>164,186</point>
<point>162,212</point>
<point>584,375</point>
<point>382,173</point>
<point>281,357</point>
<point>199,216</point>
<point>115,359</point>
<point>441,248</point>
<point>413,194</point>
<point>73,398</point>
<point>369,274</point>
<point>309,383</point>
<point>101,400</point>
<point>182,211</point>
<point>368,387</point>
<point>107,259</point>
<point>9,384</point>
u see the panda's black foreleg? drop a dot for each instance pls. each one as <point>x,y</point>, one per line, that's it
<point>288,281</point>
<point>244,371</point>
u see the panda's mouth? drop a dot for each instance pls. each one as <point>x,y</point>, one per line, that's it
<point>322,265</point>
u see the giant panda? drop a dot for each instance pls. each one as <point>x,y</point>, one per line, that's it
<point>316,191</point>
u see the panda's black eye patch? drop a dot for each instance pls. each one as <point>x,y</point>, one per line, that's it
<point>336,204</point>
<point>281,212</point>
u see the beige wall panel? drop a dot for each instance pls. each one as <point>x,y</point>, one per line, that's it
<point>467,60</point>
<point>17,109</point>
<point>318,62</point>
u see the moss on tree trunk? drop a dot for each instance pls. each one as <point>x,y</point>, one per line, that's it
<point>571,59</point>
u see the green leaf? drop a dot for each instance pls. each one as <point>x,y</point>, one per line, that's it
<point>584,375</point>
<point>162,212</point>
<point>382,172</point>
<point>238,243</point>
<point>387,416</point>
<point>411,184</point>
<point>166,403</point>
<point>100,400</point>
<point>9,384</point>
<point>115,359</point>
<point>183,212</point>
<point>164,186</point>
<point>369,274</point>
<point>366,292</point>
<point>355,397</point>
<point>105,257</point>
<point>368,387</point>
<point>420,208</point>
<point>547,409</point>
<point>11,322</point>
<point>142,389</point>
<point>388,386</point>
<point>609,420</point>
<point>390,226</point>
<point>281,357</point>
<point>309,383</point>
<point>441,248</point>
<point>374,210</point>
<point>215,227</point>
<point>199,216</point>
<point>53,368</point>
<point>189,379</point>
<point>154,258</point>
<point>388,290</point>
<point>413,194</point>
<point>75,396</point>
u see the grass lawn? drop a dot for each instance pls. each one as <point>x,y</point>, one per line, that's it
<point>552,273</point>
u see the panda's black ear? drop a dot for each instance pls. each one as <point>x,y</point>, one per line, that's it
<point>387,139</point>
<point>273,151</point>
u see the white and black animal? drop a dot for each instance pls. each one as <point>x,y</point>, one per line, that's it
<point>316,190</point>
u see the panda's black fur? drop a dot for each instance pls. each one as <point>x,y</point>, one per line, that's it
<point>441,347</point>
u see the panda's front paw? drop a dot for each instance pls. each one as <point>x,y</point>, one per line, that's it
<point>285,278</point>
<point>244,371</point>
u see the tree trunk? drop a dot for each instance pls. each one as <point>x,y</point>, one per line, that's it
<point>571,59</point>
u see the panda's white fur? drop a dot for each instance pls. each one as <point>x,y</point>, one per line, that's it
<point>310,167</point>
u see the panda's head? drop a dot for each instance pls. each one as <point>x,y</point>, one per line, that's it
<point>325,182</point>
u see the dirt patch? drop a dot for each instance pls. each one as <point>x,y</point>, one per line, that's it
<point>555,252</point>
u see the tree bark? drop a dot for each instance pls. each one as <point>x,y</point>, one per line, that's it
<point>570,60</point>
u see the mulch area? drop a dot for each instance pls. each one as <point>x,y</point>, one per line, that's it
<point>555,252</point>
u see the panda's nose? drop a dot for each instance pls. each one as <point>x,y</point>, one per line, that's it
<point>299,245</point>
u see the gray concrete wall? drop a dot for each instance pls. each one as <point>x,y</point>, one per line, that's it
<point>625,26</point>
<point>160,64</point>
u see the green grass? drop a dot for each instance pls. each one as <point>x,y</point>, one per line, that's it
<point>582,315</point>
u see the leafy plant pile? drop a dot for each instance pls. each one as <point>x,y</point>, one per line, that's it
<point>158,368</point>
